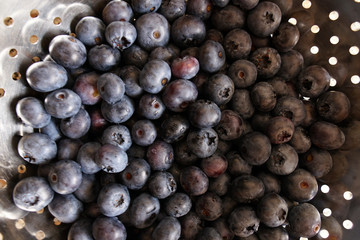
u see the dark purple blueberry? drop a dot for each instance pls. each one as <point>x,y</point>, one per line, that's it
<point>130,76</point>
<point>111,87</point>
<point>151,106</point>
<point>194,181</point>
<point>85,86</point>
<point>67,51</point>
<point>32,194</point>
<point>183,154</point>
<point>145,6</point>
<point>118,112</point>
<point>333,106</point>
<point>88,189</point>
<point>154,76</point>
<point>76,126</point>
<point>263,96</point>
<point>144,210</point>
<point>255,148</point>
<point>120,35</point>
<point>313,81</point>
<point>215,35</point>
<point>272,210</point>
<point>237,44</point>
<point>300,185</point>
<point>317,161</point>
<point>66,208</point>
<point>284,5</point>
<point>230,127</point>
<point>143,132</point>
<point>219,88</point>
<point>135,55</point>
<point>228,18</point>
<point>31,111</point>
<point>136,173</point>
<point>260,121</point>
<point>304,220</point>
<point>280,130</point>
<point>332,226</point>
<point>86,157</point>
<point>204,114</point>
<point>222,228</point>
<point>188,31</point>
<point>109,229</point>
<point>264,19</point>
<point>283,159</point>
<point>68,148</point>
<point>153,30</point>
<point>291,108</point>
<point>285,37</point>
<point>229,204</point>
<point>168,228</point>
<point>203,143</point>
<point>62,103</point>
<point>191,51</point>
<point>113,200</point>
<point>172,9</point>
<point>52,129</point>
<point>267,61</point>
<point>117,10</point>
<point>209,233</point>
<point>211,56</point>
<point>243,221</point>
<point>237,165</point>
<point>246,4</point>
<point>214,165</point>
<point>191,225</point>
<point>81,229</point>
<point>174,128</point>
<point>98,122</point>
<point>166,53</point>
<point>179,94</point>
<point>90,31</point>
<point>136,151</point>
<point>280,86</point>
<point>326,135</point>
<point>241,103</point>
<point>65,176</point>
<point>111,158</point>
<point>160,155</point>
<point>178,205</point>
<point>277,233</point>
<point>271,182</point>
<point>199,8</point>
<point>103,57</point>
<point>37,148</point>
<point>162,184</point>
<point>247,188</point>
<point>118,135</point>
<point>243,73</point>
<point>185,67</point>
<point>301,140</point>
<point>221,184</point>
<point>209,206</point>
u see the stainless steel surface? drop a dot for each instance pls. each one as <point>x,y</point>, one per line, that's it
<point>27,27</point>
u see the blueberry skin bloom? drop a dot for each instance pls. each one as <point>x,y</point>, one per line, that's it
<point>120,35</point>
<point>76,126</point>
<point>111,158</point>
<point>111,87</point>
<point>144,210</point>
<point>203,142</point>
<point>169,228</point>
<point>204,114</point>
<point>66,208</point>
<point>103,57</point>
<point>118,135</point>
<point>67,51</point>
<point>153,31</point>
<point>90,30</point>
<point>117,10</point>
<point>32,194</point>
<point>31,111</point>
<point>62,103</point>
<point>46,76</point>
<point>113,200</point>
<point>211,56</point>
<point>145,6</point>
<point>37,148</point>
<point>243,221</point>
<point>81,229</point>
<point>109,229</point>
<point>154,76</point>
<point>179,94</point>
<point>118,112</point>
<point>144,132</point>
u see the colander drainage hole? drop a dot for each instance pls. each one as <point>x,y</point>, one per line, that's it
<point>8,21</point>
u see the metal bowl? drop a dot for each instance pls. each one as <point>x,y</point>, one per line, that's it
<point>333,41</point>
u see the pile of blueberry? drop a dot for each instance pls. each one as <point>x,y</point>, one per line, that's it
<point>179,119</point>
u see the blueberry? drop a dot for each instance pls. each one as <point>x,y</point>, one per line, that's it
<point>300,185</point>
<point>283,159</point>
<point>172,9</point>
<point>220,185</point>
<point>209,206</point>
<point>272,210</point>
<point>211,56</point>
<point>183,154</point>
<point>130,76</point>
<point>326,135</point>
<point>162,184</point>
<point>52,129</point>
<point>174,128</point>
<point>103,57</point>
<point>246,4</point>
<point>166,53</point>
<point>281,86</point>
<point>194,181</point>
<point>243,73</point>
<point>31,111</point>
<point>67,51</point>
<point>264,19</point>
<point>117,10</point>
<point>291,108</point>
<point>68,148</point>
<point>111,158</point>
<point>203,143</point>
<point>98,122</point>
<point>333,227</point>
<point>86,157</point>
<point>204,114</point>
<point>200,8</point>
<point>317,161</point>
<point>85,86</point>
<point>160,155</point>
<point>113,199</point>
<point>271,182</point>
<point>222,228</point>
<point>188,31</point>
<point>151,106</point>
<point>118,135</point>
<point>144,210</point>
<point>215,35</point>
<point>65,176</point>
<point>228,18</point>
<point>135,55</point>
<point>62,103</point>
<point>243,221</point>
<point>178,205</point>
<point>301,140</point>
<point>168,228</point>
<point>214,165</point>
<point>153,30</point>
<point>267,61</point>
<point>237,44</point>
<point>120,111</point>
<point>81,229</point>
<point>76,126</point>
<point>46,76</point>
<point>236,164</point>
<point>313,81</point>
<point>185,67</point>
<point>286,37</point>
<point>90,31</point>
<point>111,87</point>
<point>120,35</point>
<point>241,103</point>
<point>247,188</point>
<point>37,148</point>
<point>108,229</point>
<point>191,225</point>
<point>145,6</point>
<point>230,126</point>
<point>136,174</point>
<point>32,194</point>
<point>66,208</point>
<point>143,132</point>
<point>304,220</point>
<point>220,3</point>
<point>219,88</point>
<point>88,189</point>
<point>333,106</point>
<point>179,94</point>
<point>263,96</point>
<point>280,130</point>
<point>278,233</point>
<point>255,148</point>
<point>154,76</point>
<point>284,5</point>
<point>209,233</point>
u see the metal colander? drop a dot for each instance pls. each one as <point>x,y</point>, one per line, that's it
<point>333,41</point>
